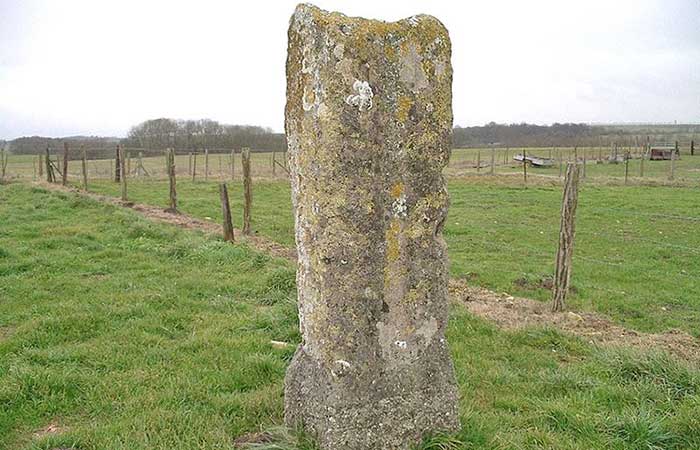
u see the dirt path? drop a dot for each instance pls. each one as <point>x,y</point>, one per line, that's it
<point>506,311</point>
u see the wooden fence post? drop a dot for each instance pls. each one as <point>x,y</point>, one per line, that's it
<point>274,169</point>
<point>627,166</point>
<point>561,162</point>
<point>692,148</point>
<point>122,175</point>
<point>493,160</point>
<point>194,166</point>
<point>233,160</point>
<point>478,161</point>
<point>49,169</point>
<point>206,164</point>
<point>562,274</point>
<point>524,166</point>
<point>171,178</point>
<point>672,174</point>
<point>189,165</point>
<point>117,162</point>
<point>84,168</point>
<point>64,174</point>
<point>3,164</point>
<point>140,170</point>
<point>247,190</point>
<point>226,213</point>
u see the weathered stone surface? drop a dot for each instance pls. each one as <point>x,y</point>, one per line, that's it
<point>368,122</point>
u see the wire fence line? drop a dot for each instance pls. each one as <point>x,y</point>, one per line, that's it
<point>219,169</point>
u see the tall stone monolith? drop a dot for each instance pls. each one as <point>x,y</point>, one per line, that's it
<point>369,122</point>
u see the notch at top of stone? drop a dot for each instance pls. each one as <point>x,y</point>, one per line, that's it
<point>364,66</point>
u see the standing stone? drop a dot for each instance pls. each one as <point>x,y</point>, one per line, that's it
<point>368,123</point>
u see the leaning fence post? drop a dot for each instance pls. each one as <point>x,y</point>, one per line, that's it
<point>562,274</point>
<point>226,213</point>
<point>49,169</point>
<point>171,179</point>
<point>247,189</point>
<point>64,174</point>
<point>117,163</point>
<point>84,168</point>
<point>493,160</point>
<point>122,174</point>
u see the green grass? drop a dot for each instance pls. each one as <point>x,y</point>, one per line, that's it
<point>129,334</point>
<point>636,259</point>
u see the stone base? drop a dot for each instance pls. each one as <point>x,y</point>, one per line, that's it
<point>390,410</point>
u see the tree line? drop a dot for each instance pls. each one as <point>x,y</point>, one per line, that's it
<point>199,134</point>
<point>195,135</point>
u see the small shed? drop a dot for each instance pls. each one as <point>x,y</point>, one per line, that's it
<point>661,152</point>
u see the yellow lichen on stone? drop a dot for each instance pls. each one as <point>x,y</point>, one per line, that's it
<point>403,107</point>
<point>393,250</point>
<point>397,190</point>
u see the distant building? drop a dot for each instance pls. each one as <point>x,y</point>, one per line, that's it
<point>661,152</point>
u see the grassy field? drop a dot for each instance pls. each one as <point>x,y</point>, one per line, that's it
<point>120,333</point>
<point>637,255</point>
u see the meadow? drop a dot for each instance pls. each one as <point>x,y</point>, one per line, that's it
<point>117,332</point>
<point>503,234</point>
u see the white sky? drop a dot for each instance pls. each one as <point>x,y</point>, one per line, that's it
<point>98,67</point>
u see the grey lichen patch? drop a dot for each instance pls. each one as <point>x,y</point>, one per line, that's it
<point>368,122</point>
<point>412,69</point>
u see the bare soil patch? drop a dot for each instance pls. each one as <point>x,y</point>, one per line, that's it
<point>5,332</point>
<point>51,428</point>
<point>248,439</point>
<point>510,312</point>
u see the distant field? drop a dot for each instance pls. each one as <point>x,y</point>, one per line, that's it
<point>463,162</point>
<point>119,333</point>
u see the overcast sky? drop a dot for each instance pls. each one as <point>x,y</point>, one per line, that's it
<point>98,67</point>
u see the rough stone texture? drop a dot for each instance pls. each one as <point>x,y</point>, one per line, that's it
<point>368,122</point>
